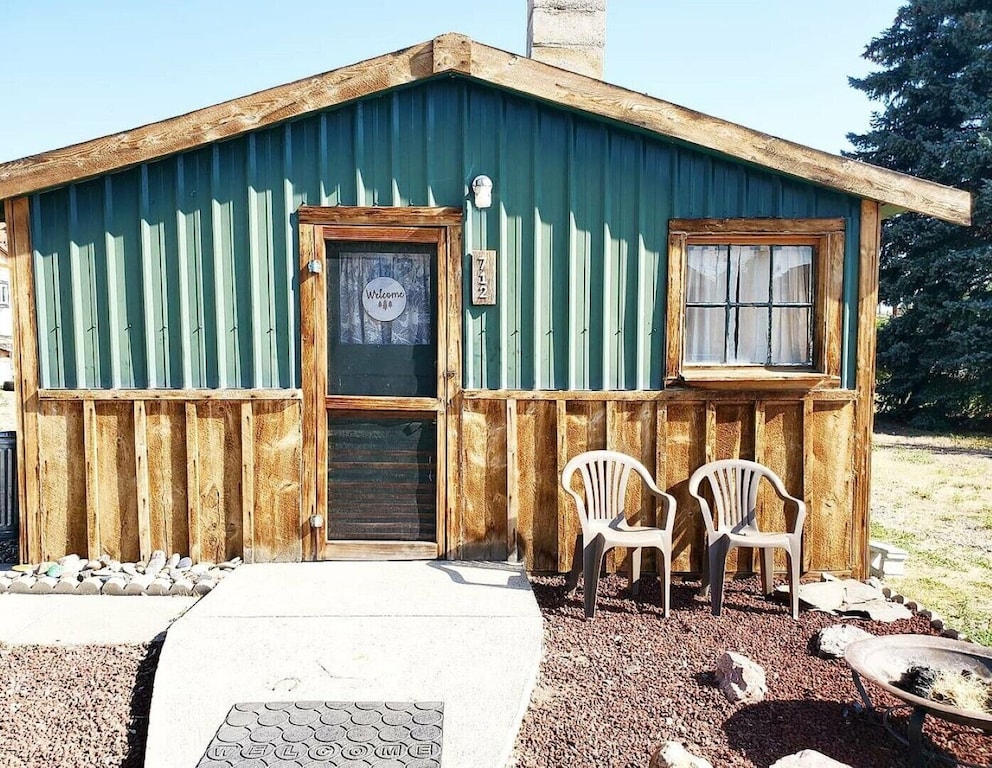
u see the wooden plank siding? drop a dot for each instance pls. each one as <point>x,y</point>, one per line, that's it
<point>212,478</point>
<point>514,445</point>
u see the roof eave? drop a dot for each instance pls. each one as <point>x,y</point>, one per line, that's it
<point>453,53</point>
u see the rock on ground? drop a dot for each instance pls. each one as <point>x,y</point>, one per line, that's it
<point>739,678</point>
<point>808,758</point>
<point>831,642</point>
<point>671,754</point>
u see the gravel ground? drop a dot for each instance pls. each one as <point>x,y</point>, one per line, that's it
<point>612,689</point>
<point>75,707</point>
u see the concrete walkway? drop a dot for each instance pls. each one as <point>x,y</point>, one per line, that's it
<point>466,634</point>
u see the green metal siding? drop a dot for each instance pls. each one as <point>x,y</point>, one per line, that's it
<point>182,272</point>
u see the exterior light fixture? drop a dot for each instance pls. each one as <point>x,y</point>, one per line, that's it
<point>482,188</point>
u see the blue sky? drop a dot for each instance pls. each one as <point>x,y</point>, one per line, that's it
<point>72,70</point>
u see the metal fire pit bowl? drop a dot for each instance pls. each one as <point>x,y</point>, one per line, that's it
<point>884,660</point>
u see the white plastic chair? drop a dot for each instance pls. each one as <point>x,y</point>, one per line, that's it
<point>604,524</point>
<point>734,484</point>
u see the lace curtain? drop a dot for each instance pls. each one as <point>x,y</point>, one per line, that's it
<point>410,270</point>
<point>735,296</point>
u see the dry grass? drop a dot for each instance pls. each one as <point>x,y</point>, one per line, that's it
<point>932,495</point>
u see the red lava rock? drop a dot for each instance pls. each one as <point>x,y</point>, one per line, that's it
<point>582,721</point>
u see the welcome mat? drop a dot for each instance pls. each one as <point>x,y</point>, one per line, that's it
<point>319,734</point>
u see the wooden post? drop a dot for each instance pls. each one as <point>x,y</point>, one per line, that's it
<point>193,481</point>
<point>865,407</point>
<point>91,440</point>
<point>512,477</point>
<point>17,215</point>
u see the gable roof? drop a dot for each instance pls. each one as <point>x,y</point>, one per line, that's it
<point>459,55</point>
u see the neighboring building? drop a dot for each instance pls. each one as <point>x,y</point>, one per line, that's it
<point>294,303</point>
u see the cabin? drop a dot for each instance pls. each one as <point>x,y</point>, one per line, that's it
<point>373,313</point>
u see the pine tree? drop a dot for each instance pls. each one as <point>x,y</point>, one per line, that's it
<point>935,83</point>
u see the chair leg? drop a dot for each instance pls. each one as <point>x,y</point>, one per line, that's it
<point>572,581</point>
<point>704,578</point>
<point>718,552</point>
<point>768,570</point>
<point>635,571</point>
<point>665,558</point>
<point>795,559</point>
<point>592,558</point>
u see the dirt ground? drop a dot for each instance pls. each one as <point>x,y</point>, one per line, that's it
<point>932,495</point>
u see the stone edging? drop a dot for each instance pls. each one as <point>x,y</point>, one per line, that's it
<point>936,620</point>
<point>75,575</point>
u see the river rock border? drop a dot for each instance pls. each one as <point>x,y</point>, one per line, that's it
<point>75,575</point>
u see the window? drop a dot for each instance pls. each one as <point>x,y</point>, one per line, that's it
<point>755,300</point>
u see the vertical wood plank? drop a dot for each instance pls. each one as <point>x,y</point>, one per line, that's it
<point>193,482</point>
<point>561,442</point>
<point>141,480</point>
<point>808,459</point>
<point>710,454</point>
<point>444,381</point>
<point>308,365</point>
<point>247,483</point>
<point>685,452</point>
<point>870,241</point>
<point>17,216</point>
<point>833,329</point>
<point>536,489</point>
<point>167,475</point>
<point>675,325</point>
<point>453,408</point>
<point>512,484</point>
<point>63,479</point>
<point>320,375</point>
<point>90,451</point>
<point>759,431</point>
<point>119,530</point>
<point>278,450</point>
<point>481,531</point>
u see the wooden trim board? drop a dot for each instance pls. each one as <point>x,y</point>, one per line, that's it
<point>457,54</point>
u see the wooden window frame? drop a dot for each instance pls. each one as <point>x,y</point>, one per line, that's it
<point>826,236</point>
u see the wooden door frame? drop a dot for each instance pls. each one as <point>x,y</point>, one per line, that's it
<point>359,222</point>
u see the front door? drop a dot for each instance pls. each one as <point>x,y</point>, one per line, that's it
<point>377,299</point>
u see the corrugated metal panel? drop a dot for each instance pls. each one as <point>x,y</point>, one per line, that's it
<point>182,273</point>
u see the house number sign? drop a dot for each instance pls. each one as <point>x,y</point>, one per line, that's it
<point>483,278</point>
<point>384,299</point>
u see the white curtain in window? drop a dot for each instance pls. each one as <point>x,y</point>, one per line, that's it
<point>791,283</point>
<point>750,266</point>
<point>706,282</point>
<point>412,271</point>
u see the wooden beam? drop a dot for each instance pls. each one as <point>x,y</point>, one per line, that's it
<point>675,316</point>
<point>26,405</point>
<point>90,443</point>
<point>766,226</point>
<point>141,480</point>
<point>194,395</point>
<point>710,440</point>
<point>358,216</point>
<point>561,441</point>
<point>457,54</point>
<point>248,483</point>
<point>454,383</point>
<point>672,394</point>
<point>869,247</point>
<point>216,123</point>
<point>379,550</point>
<point>586,94</point>
<point>193,499</point>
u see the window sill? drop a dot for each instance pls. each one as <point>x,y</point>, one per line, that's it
<point>754,377</point>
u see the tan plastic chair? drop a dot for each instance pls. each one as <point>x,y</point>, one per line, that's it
<point>604,524</point>
<point>734,483</point>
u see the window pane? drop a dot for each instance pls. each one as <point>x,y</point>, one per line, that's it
<point>749,269</point>
<point>790,336</point>
<point>793,280</point>
<point>749,336</point>
<point>707,274</point>
<point>705,334</point>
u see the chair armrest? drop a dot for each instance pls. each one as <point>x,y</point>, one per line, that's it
<point>670,505</point>
<point>704,507</point>
<point>799,504</point>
